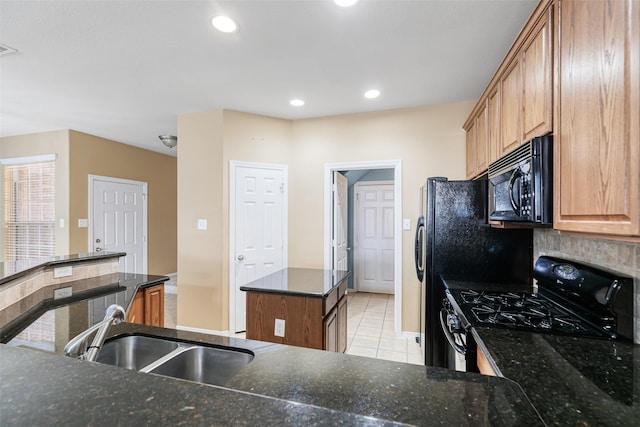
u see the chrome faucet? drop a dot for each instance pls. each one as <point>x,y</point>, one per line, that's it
<point>77,347</point>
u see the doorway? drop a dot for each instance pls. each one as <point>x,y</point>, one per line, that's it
<point>118,220</point>
<point>396,167</point>
<point>373,236</point>
<point>257,230</point>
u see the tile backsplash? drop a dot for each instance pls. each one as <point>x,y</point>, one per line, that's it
<point>621,257</point>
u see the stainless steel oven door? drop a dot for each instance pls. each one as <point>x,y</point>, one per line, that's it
<point>456,337</point>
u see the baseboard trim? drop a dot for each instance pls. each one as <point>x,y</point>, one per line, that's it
<point>202,331</point>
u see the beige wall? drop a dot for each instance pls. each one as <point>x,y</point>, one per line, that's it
<point>91,155</point>
<point>56,142</point>
<point>428,140</point>
<point>202,300</point>
<point>79,155</point>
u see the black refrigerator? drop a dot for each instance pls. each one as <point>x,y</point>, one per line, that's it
<point>453,239</point>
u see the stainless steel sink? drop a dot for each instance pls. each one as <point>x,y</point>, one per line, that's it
<point>134,351</point>
<point>205,365</point>
<point>183,360</point>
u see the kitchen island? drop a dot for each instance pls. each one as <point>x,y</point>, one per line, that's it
<point>299,306</point>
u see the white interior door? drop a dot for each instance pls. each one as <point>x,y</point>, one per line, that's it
<point>259,220</point>
<point>340,224</point>
<point>118,220</point>
<point>374,238</point>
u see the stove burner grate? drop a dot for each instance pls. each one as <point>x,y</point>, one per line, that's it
<point>523,311</point>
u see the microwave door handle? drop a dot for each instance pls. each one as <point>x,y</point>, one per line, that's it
<point>516,206</point>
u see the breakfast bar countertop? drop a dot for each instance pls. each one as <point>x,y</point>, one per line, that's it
<point>283,385</point>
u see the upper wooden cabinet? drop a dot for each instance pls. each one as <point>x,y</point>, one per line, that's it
<point>494,140</point>
<point>477,145</point>
<point>510,103</point>
<point>597,134</point>
<point>518,102</point>
<point>537,80</point>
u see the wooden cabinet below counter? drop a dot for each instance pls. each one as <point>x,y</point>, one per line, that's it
<point>147,307</point>
<point>312,321</point>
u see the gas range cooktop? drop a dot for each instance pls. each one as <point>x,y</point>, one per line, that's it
<point>523,311</point>
<point>572,299</point>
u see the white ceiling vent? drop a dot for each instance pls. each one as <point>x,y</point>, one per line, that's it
<point>5,50</point>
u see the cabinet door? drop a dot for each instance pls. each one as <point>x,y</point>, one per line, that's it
<point>136,312</point>
<point>154,306</point>
<point>597,149</point>
<point>493,125</point>
<point>331,331</point>
<point>510,108</point>
<point>342,325</point>
<point>471,151</point>
<point>481,142</point>
<point>537,90</point>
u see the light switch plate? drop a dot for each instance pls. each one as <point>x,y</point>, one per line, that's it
<point>279,328</point>
<point>59,272</point>
<point>83,223</point>
<point>202,224</point>
<point>406,224</point>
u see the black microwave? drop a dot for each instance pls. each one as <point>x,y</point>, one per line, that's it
<point>521,184</point>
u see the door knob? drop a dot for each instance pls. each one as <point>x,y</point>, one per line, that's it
<point>98,249</point>
<point>240,257</point>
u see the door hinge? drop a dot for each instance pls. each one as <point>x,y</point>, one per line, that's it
<point>144,196</point>
<point>282,188</point>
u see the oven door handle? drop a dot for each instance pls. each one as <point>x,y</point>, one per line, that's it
<point>448,334</point>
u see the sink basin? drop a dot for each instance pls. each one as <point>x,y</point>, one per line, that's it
<point>184,360</point>
<point>135,351</point>
<point>206,365</point>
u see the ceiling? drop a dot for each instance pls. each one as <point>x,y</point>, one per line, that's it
<point>125,70</point>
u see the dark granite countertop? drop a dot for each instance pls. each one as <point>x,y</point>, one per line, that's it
<point>283,385</point>
<point>570,380</point>
<point>84,308</point>
<point>299,281</point>
<point>11,270</point>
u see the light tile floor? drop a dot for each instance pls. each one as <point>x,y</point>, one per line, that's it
<point>370,327</point>
<point>370,330</point>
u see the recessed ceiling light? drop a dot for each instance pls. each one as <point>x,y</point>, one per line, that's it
<point>373,93</point>
<point>345,3</point>
<point>297,102</point>
<point>224,24</point>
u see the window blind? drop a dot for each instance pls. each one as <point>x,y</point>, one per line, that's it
<point>29,214</point>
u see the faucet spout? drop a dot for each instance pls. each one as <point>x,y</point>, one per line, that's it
<point>77,347</point>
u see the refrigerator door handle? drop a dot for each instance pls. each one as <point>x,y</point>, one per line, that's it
<point>419,249</point>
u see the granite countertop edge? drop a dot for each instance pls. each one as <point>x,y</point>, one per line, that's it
<point>60,260</point>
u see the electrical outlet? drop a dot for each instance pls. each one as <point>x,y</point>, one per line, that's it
<point>279,328</point>
<point>406,224</point>
<point>62,292</point>
<point>59,272</point>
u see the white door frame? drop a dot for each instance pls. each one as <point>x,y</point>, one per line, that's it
<point>396,165</point>
<point>233,165</point>
<point>145,185</point>
<point>356,188</point>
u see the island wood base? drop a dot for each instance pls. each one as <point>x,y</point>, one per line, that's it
<point>312,322</point>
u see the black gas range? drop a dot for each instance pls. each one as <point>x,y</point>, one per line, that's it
<point>571,299</point>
